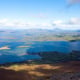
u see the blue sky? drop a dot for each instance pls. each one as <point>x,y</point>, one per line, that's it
<point>45,14</point>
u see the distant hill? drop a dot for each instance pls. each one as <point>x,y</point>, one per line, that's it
<point>39,35</point>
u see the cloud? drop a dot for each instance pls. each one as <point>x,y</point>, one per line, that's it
<point>40,15</point>
<point>69,26</point>
<point>6,23</point>
<point>18,24</point>
<point>57,22</point>
<point>73,1</point>
<point>3,21</point>
<point>73,23</point>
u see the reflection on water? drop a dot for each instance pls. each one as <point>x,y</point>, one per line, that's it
<point>15,58</point>
<point>58,46</point>
<point>16,53</point>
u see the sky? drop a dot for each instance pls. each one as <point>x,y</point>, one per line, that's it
<point>42,14</point>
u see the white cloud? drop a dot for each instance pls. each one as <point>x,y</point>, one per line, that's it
<point>69,26</point>
<point>57,22</point>
<point>73,23</point>
<point>3,21</point>
<point>6,23</point>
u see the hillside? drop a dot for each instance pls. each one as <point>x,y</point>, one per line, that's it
<point>61,71</point>
<point>52,66</point>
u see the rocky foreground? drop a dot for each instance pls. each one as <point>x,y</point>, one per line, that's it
<point>58,71</point>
